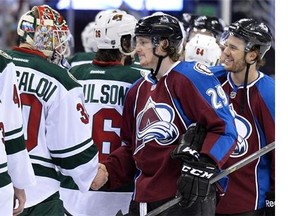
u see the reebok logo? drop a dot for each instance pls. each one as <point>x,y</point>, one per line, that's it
<point>270,204</point>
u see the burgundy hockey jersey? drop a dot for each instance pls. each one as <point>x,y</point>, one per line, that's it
<point>155,115</point>
<point>256,128</point>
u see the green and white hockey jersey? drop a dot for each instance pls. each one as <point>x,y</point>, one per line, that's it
<point>56,125</point>
<point>15,165</point>
<point>105,86</point>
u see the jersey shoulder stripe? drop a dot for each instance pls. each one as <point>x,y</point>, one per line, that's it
<point>116,73</point>
<point>4,60</point>
<point>81,56</point>
<point>41,65</point>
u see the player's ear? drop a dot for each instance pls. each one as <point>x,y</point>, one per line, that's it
<point>251,56</point>
<point>164,44</point>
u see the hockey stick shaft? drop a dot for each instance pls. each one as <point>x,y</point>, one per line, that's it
<point>223,173</point>
<point>243,162</point>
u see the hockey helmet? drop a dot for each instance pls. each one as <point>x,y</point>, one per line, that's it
<point>161,26</point>
<point>203,49</point>
<point>108,11</point>
<point>88,38</point>
<point>214,25</point>
<point>254,33</point>
<point>111,28</point>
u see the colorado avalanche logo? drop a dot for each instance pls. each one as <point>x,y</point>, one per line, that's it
<point>201,68</point>
<point>244,131</point>
<point>155,122</point>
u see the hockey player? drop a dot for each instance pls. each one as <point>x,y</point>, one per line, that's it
<point>89,41</point>
<point>207,25</point>
<point>105,83</point>
<point>158,109</point>
<point>252,99</point>
<point>203,49</point>
<point>15,166</point>
<point>56,124</point>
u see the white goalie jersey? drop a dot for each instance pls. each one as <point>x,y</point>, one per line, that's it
<point>56,126</point>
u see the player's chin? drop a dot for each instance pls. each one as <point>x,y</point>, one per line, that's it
<point>227,65</point>
<point>144,63</point>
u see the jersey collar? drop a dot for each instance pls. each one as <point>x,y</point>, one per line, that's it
<point>30,51</point>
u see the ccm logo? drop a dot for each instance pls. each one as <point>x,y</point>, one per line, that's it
<point>197,172</point>
<point>191,152</point>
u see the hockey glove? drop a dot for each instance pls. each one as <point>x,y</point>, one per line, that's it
<point>193,183</point>
<point>190,144</point>
<point>270,204</point>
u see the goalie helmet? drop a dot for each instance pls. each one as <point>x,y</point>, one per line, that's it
<point>112,28</point>
<point>46,30</point>
<point>254,33</point>
<point>203,49</point>
<point>159,26</point>
<point>88,38</point>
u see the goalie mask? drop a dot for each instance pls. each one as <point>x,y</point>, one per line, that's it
<point>203,49</point>
<point>46,30</point>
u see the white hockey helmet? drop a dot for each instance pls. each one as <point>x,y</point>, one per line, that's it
<point>108,11</point>
<point>203,49</point>
<point>88,38</point>
<point>46,30</point>
<point>110,30</point>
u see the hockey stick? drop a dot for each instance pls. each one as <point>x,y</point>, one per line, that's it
<point>223,173</point>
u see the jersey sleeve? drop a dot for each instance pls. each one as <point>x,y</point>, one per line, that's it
<point>205,102</point>
<point>120,163</point>
<point>18,160</point>
<point>266,117</point>
<point>69,138</point>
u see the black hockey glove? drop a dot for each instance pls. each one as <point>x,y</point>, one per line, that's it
<point>190,143</point>
<point>270,204</point>
<point>193,183</point>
